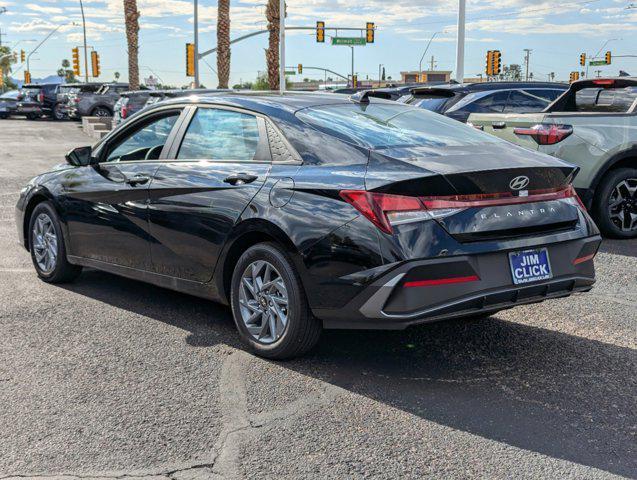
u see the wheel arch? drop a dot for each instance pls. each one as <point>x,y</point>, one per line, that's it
<point>101,105</point>
<point>37,197</point>
<point>247,234</point>
<point>624,159</point>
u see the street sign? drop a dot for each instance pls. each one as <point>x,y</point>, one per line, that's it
<point>349,41</point>
<point>290,72</point>
<point>597,63</point>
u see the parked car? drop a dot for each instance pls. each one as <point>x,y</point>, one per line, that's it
<point>161,95</point>
<point>8,103</point>
<point>67,92</point>
<point>96,104</point>
<point>128,104</point>
<point>36,100</point>
<point>312,211</point>
<point>458,101</point>
<point>593,126</point>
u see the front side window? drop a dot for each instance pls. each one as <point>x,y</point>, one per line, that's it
<point>215,134</point>
<point>145,143</point>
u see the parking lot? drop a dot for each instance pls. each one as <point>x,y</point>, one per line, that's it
<point>108,377</point>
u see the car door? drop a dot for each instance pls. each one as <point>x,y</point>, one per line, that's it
<point>214,170</point>
<point>105,205</point>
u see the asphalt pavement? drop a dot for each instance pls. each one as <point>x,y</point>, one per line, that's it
<point>113,378</point>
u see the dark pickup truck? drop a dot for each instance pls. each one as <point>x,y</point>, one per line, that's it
<point>96,104</point>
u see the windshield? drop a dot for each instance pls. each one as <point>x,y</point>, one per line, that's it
<point>382,125</point>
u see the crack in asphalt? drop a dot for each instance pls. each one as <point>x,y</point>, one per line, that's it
<point>237,423</point>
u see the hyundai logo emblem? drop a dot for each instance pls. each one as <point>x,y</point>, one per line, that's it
<point>518,183</point>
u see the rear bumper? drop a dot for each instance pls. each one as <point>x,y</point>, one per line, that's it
<point>387,304</point>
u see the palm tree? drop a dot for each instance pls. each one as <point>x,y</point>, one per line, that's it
<point>272,53</point>
<point>131,17</point>
<point>223,42</point>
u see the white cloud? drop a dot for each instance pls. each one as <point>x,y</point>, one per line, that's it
<point>42,9</point>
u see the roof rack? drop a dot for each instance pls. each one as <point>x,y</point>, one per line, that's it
<point>364,96</point>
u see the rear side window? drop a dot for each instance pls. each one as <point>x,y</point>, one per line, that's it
<point>433,103</point>
<point>521,101</point>
<point>216,134</point>
<point>383,125</point>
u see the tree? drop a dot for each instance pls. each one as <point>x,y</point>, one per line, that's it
<point>272,53</point>
<point>131,18</point>
<point>512,72</point>
<point>66,72</point>
<point>5,67</point>
<point>223,43</point>
<point>116,75</point>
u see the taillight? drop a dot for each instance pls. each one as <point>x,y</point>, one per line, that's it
<point>606,82</point>
<point>41,97</point>
<point>387,210</point>
<point>76,99</point>
<point>546,134</point>
<point>123,111</point>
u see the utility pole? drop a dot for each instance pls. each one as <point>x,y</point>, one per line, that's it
<point>425,53</point>
<point>196,40</point>
<point>527,57</point>
<point>282,46</point>
<point>380,67</point>
<point>462,5</point>
<point>352,65</point>
<point>433,66</point>
<point>85,49</point>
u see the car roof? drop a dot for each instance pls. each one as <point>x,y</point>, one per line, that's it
<point>265,101</point>
<point>477,87</point>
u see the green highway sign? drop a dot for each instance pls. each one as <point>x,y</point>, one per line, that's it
<point>290,72</point>
<point>348,41</point>
<point>597,63</point>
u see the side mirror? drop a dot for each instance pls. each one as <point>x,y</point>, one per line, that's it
<point>80,156</point>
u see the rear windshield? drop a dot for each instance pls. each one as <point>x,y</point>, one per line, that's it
<point>383,125</point>
<point>618,100</point>
<point>429,102</point>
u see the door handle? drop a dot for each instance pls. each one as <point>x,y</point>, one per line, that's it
<point>240,178</point>
<point>499,125</point>
<point>139,179</point>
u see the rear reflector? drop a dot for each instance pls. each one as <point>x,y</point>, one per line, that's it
<point>441,281</point>
<point>386,210</point>
<point>586,258</point>
<point>546,134</point>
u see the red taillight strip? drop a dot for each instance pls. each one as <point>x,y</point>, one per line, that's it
<point>583,259</point>
<point>441,281</point>
<point>489,200</point>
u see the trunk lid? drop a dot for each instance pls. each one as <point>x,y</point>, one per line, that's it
<point>501,125</point>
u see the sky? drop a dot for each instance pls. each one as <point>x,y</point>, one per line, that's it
<point>557,32</point>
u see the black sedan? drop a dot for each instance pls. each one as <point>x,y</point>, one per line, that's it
<point>9,103</point>
<point>311,211</point>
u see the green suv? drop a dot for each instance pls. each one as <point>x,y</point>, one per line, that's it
<point>592,125</point>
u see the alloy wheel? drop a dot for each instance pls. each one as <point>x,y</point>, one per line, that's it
<point>101,112</point>
<point>45,243</point>
<point>263,302</point>
<point>622,205</point>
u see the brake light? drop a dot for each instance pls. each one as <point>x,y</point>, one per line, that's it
<point>387,210</point>
<point>605,82</point>
<point>41,97</point>
<point>545,134</point>
<point>123,111</point>
<point>76,99</point>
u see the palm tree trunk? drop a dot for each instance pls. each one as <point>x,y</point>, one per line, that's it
<point>131,17</point>
<point>223,42</point>
<point>272,53</point>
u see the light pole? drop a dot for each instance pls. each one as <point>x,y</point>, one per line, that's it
<point>282,46</point>
<point>352,64</point>
<point>196,41</point>
<point>462,6</point>
<point>527,57</point>
<point>425,52</point>
<point>380,67</point>
<point>85,49</point>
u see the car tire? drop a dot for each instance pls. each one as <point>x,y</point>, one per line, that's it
<point>273,327</point>
<point>32,116</point>
<point>3,116</point>
<point>614,203</point>
<point>46,244</point>
<point>101,112</point>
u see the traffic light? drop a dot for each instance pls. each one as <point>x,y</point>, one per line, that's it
<point>76,61</point>
<point>27,76</point>
<point>95,63</point>
<point>496,62</point>
<point>190,59</point>
<point>355,81</point>
<point>582,59</point>
<point>300,68</point>
<point>608,57</point>
<point>489,68</point>
<point>320,32</point>
<point>23,56</point>
<point>370,32</point>
<point>574,77</point>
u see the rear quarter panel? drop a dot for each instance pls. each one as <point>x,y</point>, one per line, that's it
<point>501,125</point>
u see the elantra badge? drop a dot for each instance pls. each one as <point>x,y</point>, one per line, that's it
<point>518,183</point>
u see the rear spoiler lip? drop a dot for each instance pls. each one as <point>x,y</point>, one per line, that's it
<point>433,90</point>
